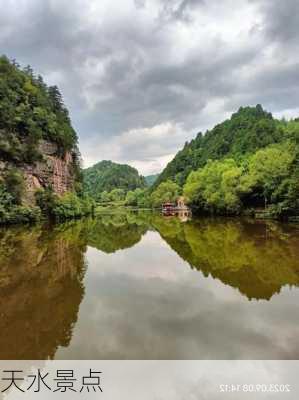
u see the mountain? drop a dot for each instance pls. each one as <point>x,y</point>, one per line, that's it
<point>38,145</point>
<point>151,179</point>
<point>248,130</point>
<point>107,175</point>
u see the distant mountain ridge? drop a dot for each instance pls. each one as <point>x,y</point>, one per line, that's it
<point>108,175</point>
<point>151,179</point>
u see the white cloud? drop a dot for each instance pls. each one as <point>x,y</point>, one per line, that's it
<point>147,149</point>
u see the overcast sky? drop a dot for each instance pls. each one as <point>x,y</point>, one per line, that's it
<point>141,77</point>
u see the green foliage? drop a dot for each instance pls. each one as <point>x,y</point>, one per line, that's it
<point>21,215</point>
<point>248,130</point>
<point>13,213</point>
<point>105,197</point>
<point>166,192</point>
<point>46,201</point>
<point>268,178</point>
<point>248,161</point>
<point>215,187</point>
<point>11,210</point>
<point>66,207</point>
<point>30,111</point>
<point>14,184</point>
<point>138,198</point>
<point>268,170</point>
<point>117,195</point>
<point>71,206</point>
<point>107,176</point>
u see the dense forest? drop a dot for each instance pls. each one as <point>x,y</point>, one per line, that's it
<point>249,162</point>
<point>108,181</point>
<point>248,130</point>
<point>30,113</point>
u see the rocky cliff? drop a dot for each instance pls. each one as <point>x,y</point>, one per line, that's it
<point>38,145</point>
<point>52,170</point>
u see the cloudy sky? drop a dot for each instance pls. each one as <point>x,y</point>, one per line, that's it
<point>141,77</point>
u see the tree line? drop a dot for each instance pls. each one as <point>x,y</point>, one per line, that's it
<point>248,162</point>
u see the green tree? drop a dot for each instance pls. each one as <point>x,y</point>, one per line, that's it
<point>268,171</point>
<point>14,183</point>
<point>105,197</point>
<point>131,198</point>
<point>215,187</point>
<point>166,192</point>
<point>117,195</point>
<point>29,111</point>
<point>139,198</point>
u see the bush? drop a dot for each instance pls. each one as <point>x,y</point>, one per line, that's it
<point>71,206</point>
<point>138,198</point>
<point>166,192</point>
<point>19,215</point>
<point>46,200</point>
<point>14,184</point>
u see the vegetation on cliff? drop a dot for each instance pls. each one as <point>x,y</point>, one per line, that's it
<point>32,113</point>
<point>108,181</point>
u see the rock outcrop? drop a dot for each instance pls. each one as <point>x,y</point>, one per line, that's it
<point>53,170</point>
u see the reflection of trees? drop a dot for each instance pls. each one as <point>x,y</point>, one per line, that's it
<point>258,259</point>
<point>110,233</point>
<point>41,272</point>
<point>42,269</point>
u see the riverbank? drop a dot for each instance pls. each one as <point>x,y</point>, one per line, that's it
<point>257,214</point>
<point>48,207</point>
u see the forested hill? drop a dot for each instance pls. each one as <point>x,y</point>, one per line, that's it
<point>107,176</point>
<point>248,130</point>
<point>40,169</point>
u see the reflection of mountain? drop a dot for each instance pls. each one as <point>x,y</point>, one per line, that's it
<point>41,273</point>
<point>40,290</point>
<point>258,259</point>
<point>42,269</point>
<point>110,233</point>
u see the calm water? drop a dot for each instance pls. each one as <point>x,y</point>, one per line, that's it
<point>143,286</point>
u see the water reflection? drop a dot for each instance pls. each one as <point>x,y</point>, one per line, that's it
<point>110,233</point>
<point>258,258</point>
<point>41,289</point>
<point>117,286</point>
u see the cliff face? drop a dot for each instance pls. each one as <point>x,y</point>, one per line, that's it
<point>36,138</point>
<point>52,171</point>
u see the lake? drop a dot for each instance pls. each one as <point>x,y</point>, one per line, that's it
<point>142,286</point>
